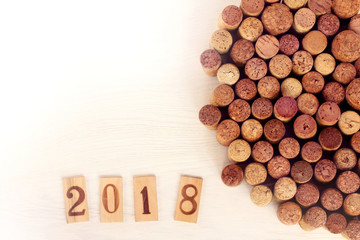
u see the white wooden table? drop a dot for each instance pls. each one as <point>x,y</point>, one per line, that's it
<point>99,88</point>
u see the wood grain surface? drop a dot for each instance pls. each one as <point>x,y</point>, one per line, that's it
<point>113,88</point>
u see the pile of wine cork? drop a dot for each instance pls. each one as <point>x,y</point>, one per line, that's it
<point>286,107</point>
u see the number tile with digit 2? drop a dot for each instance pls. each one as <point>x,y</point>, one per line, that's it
<point>76,205</point>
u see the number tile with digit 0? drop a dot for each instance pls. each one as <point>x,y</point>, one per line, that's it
<point>145,199</point>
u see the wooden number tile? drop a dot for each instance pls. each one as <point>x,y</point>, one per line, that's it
<point>188,202</point>
<point>111,199</point>
<point>145,199</point>
<point>76,205</point>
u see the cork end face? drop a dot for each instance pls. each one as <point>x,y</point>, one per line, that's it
<point>289,44</point>
<point>353,94</point>
<point>232,16</point>
<point>346,46</point>
<point>289,213</point>
<point>232,175</point>
<point>336,223</point>
<point>329,24</point>
<point>285,108</point>
<point>330,139</point>
<point>345,9</point>
<point>325,171</point>
<point>210,116</point>
<point>277,19</point>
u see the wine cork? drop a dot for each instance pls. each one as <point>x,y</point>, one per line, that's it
<point>320,7</point>
<point>330,139</point>
<point>348,182</point>
<point>255,68</point>
<point>269,87</point>
<point>313,218</point>
<point>277,19</point>
<point>357,67</point>
<point>304,20</point>
<point>352,231</point>
<point>302,62</point>
<point>239,150</point>
<point>227,131</point>
<point>352,204</point>
<point>311,152</point>
<point>289,213</point>
<point>336,223</point>
<point>325,64</point>
<point>280,66</point>
<point>325,171</point>
<point>284,189</point>
<point>289,44</point>
<point>251,29</point>
<point>289,148</point>
<point>262,151</point>
<point>221,40</point>
<point>331,199</point>
<point>241,51</point>
<point>267,46</point>
<point>232,175</point>
<point>307,194</point>
<point>314,42</point>
<point>349,122</point>
<point>222,95</point>
<point>301,172</point>
<point>210,61</point>
<point>246,89</point>
<point>305,126</point>
<point>328,24</point>
<point>345,9</point>
<point>285,108</point>
<point>278,167</point>
<point>355,24</point>
<point>255,174</point>
<point>345,159</point>
<point>352,94</point>
<point>230,18</point>
<point>291,87</point>
<point>344,73</point>
<point>307,103</point>
<point>334,92</point>
<point>313,82</point>
<point>228,74</point>
<point>261,195</point>
<point>262,108</point>
<point>239,110</point>
<point>295,4</point>
<point>328,114</point>
<point>274,131</point>
<point>252,7</point>
<point>210,116</point>
<point>355,142</point>
<point>346,46</point>
<point>251,130</point>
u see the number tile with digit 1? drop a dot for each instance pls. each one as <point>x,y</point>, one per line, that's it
<point>111,199</point>
<point>76,205</point>
<point>145,199</point>
<point>188,202</point>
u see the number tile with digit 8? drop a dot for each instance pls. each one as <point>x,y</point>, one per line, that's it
<point>76,205</point>
<point>111,199</point>
<point>145,199</point>
<point>188,202</point>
